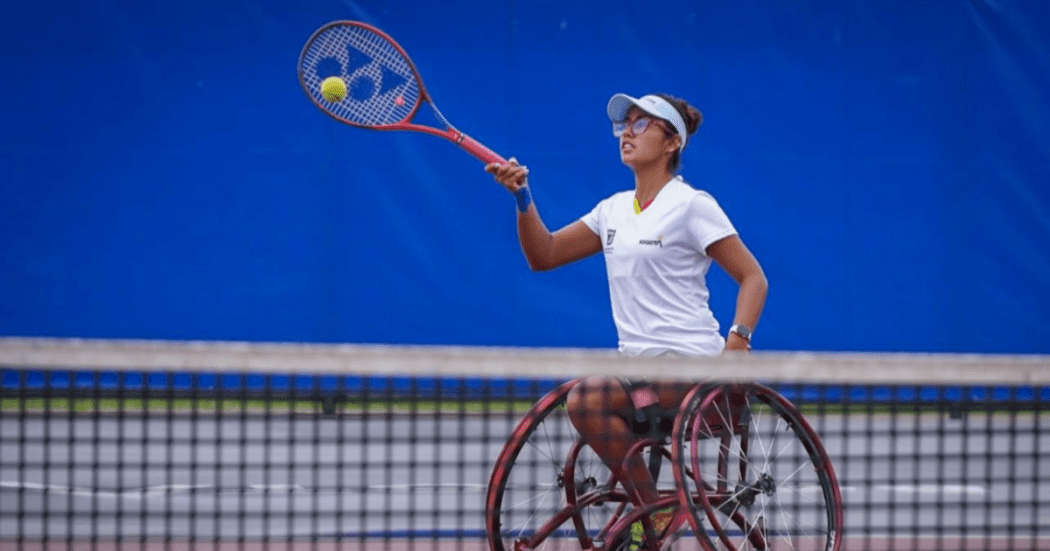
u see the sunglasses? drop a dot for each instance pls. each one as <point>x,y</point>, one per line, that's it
<point>637,126</point>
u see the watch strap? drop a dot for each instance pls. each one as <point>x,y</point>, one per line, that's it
<point>742,330</point>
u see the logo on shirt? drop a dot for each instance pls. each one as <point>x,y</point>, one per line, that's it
<point>659,241</point>
<point>609,235</point>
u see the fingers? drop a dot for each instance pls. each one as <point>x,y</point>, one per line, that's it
<point>492,168</point>
<point>510,175</point>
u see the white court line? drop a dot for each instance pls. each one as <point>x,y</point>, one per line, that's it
<point>188,488</point>
<point>93,492</point>
<point>921,489</point>
<point>905,489</point>
<point>438,487</point>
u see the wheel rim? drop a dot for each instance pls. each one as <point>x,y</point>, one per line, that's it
<point>532,496</point>
<point>776,491</point>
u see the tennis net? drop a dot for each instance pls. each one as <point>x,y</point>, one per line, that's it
<point>211,445</point>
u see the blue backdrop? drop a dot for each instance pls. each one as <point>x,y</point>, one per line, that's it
<point>162,175</point>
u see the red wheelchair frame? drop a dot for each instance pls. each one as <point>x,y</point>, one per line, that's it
<point>746,501</point>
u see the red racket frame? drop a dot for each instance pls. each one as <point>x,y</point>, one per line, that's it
<point>468,144</point>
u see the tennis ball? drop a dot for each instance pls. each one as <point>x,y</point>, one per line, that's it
<point>333,89</point>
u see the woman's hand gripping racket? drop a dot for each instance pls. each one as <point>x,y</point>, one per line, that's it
<point>378,87</point>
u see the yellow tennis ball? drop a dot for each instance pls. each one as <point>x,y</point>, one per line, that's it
<point>333,89</point>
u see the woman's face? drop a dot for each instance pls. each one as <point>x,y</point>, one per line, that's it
<point>650,145</point>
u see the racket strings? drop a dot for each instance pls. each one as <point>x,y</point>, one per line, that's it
<point>382,88</point>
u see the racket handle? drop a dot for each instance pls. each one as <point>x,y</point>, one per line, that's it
<point>483,153</point>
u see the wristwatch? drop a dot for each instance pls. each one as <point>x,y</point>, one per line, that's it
<point>742,330</point>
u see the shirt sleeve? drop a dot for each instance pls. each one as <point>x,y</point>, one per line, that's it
<point>593,219</point>
<point>707,222</point>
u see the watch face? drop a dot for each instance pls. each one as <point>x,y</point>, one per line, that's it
<point>741,330</point>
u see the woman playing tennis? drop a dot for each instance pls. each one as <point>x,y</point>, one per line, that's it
<point>659,240</point>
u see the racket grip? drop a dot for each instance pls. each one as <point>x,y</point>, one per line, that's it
<point>482,153</point>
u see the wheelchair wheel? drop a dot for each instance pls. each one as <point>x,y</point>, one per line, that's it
<point>548,490</point>
<point>752,473</point>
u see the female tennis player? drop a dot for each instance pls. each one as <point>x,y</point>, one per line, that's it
<point>659,240</point>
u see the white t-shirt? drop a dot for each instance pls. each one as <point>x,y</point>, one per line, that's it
<point>656,262</point>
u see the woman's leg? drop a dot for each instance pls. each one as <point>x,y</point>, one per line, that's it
<point>599,407</point>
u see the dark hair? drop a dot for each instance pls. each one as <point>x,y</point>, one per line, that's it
<point>693,119</point>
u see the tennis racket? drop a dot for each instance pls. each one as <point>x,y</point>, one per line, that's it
<point>384,89</point>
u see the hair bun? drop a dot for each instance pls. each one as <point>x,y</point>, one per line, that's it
<point>693,119</point>
<point>691,115</point>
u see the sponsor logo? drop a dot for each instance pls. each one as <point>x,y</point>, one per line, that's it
<point>659,241</point>
<point>367,78</point>
<point>609,235</point>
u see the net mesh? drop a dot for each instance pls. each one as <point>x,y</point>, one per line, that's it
<point>382,88</point>
<point>110,444</point>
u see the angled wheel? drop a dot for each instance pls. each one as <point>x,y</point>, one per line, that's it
<point>752,473</point>
<point>547,489</point>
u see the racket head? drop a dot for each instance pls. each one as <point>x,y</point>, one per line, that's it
<point>384,88</point>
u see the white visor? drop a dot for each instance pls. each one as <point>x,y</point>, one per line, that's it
<point>656,106</point>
